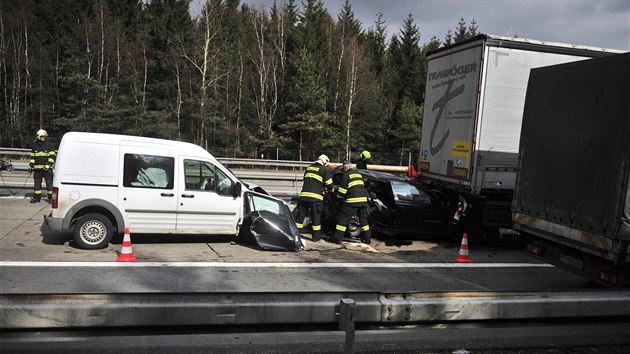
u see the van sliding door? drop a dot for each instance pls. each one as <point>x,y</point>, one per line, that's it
<point>148,198</point>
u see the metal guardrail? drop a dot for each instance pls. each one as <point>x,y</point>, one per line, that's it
<point>280,178</point>
<point>14,152</point>
<point>23,154</point>
<point>180,309</point>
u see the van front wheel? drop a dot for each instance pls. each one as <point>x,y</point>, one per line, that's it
<point>93,231</point>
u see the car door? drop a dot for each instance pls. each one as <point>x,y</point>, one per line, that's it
<point>206,199</point>
<point>269,224</point>
<point>147,197</point>
<point>416,212</point>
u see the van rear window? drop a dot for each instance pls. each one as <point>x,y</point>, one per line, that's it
<point>148,171</point>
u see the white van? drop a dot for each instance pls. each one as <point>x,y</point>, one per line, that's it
<point>104,183</point>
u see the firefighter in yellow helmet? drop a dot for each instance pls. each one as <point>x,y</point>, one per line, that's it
<point>316,181</point>
<point>41,163</point>
<point>365,158</point>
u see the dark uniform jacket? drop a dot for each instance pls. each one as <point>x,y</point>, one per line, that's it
<point>352,189</point>
<point>316,179</point>
<point>42,155</point>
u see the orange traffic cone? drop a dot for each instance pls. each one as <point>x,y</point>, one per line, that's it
<point>126,254</point>
<point>463,257</point>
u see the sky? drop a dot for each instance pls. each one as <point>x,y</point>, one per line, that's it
<point>594,23</point>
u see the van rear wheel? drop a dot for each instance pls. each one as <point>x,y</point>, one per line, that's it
<point>93,231</point>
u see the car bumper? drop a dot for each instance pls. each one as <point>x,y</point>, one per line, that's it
<point>54,224</point>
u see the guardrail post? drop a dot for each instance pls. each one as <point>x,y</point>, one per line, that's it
<point>347,315</point>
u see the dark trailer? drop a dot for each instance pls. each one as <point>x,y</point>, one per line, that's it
<point>572,193</point>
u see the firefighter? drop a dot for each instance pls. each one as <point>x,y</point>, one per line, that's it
<point>365,158</point>
<point>355,197</point>
<point>316,181</point>
<point>41,164</point>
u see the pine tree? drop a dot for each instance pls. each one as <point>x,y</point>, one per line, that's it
<point>347,19</point>
<point>375,44</point>
<point>148,68</point>
<point>308,119</point>
<point>461,33</point>
<point>448,39</point>
<point>473,29</point>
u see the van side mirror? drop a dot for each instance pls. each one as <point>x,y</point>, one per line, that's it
<point>238,187</point>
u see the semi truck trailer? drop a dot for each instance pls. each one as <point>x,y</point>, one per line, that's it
<point>473,108</point>
<point>572,194</point>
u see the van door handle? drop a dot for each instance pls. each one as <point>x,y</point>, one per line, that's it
<point>167,194</point>
<point>188,195</point>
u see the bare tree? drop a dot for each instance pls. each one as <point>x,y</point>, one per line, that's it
<point>178,110</point>
<point>19,53</point>
<point>268,57</point>
<point>3,65</point>
<point>202,56</point>
<point>263,63</point>
<point>351,90</point>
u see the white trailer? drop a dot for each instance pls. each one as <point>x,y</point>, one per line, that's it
<point>475,92</point>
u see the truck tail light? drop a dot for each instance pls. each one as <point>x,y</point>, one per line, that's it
<point>55,197</point>
<point>533,249</point>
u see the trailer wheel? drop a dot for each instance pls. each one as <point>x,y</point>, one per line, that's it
<point>93,231</point>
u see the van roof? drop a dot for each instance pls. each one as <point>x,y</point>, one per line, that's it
<point>184,148</point>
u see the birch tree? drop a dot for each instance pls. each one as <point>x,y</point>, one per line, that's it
<point>202,55</point>
<point>268,57</point>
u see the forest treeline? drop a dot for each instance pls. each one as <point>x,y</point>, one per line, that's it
<point>232,77</point>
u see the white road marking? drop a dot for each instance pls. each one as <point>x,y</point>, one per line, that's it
<point>270,265</point>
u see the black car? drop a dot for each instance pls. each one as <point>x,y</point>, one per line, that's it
<point>397,208</point>
<point>6,165</point>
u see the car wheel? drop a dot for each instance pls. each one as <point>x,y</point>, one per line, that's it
<point>355,232</point>
<point>93,231</point>
<point>354,228</point>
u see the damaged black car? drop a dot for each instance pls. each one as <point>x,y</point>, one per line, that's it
<point>398,208</point>
<point>269,224</point>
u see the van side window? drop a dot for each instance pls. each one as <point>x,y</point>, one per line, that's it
<point>225,185</point>
<point>148,171</point>
<point>199,175</point>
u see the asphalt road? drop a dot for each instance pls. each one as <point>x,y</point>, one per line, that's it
<point>34,259</point>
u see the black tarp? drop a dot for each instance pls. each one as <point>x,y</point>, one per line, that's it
<point>575,146</point>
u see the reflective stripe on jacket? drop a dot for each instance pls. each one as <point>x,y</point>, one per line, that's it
<point>353,189</point>
<point>316,179</point>
<point>42,155</point>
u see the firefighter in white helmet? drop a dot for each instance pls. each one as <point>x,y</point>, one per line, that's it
<point>41,163</point>
<point>316,181</point>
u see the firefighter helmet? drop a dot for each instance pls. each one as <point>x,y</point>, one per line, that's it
<point>365,155</point>
<point>323,159</point>
<point>41,133</point>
